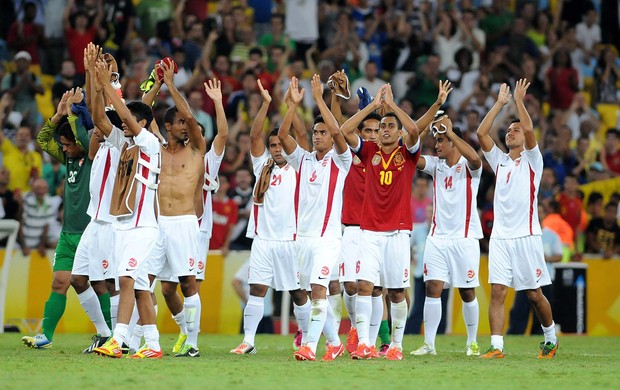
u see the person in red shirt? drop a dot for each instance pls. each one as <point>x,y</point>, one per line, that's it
<point>561,81</point>
<point>79,35</point>
<point>610,154</point>
<point>571,204</point>
<point>26,34</point>
<point>225,215</point>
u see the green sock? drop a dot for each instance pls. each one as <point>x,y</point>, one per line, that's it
<point>104,300</point>
<point>384,332</point>
<point>54,309</point>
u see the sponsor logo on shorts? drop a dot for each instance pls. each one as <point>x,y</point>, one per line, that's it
<point>325,270</point>
<point>105,264</point>
<point>201,267</point>
<point>133,263</point>
<point>538,275</point>
<point>191,262</point>
<point>471,274</point>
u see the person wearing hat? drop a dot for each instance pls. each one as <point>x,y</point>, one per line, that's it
<point>24,86</point>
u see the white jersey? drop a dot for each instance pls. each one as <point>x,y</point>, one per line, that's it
<point>455,212</point>
<point>210,184</point>
<point>144,211</point>
<point>275,218</point>
<point>319,199</point>
<point>515,205</point>
<point>102,175</point>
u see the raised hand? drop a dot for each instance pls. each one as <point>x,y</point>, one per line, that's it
<point>317,87</point>
<point>388,97</point>
<point>168,72</point>
<point>295,93</point>
<point>102,75</point>
<point>264,93</point>
<point>213,88</point>
<point>61,110</point>
<point>520,89</point>
<point>504,96</point>
<point>444,90</point>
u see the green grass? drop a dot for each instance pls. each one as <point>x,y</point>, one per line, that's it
<point>581,363</point>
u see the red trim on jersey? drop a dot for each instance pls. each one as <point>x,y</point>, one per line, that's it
<point>106,171</point>
<point>434,203</point>
<point>145,174</point>
<point>333,180</point>
<point>297,180</point>
<point>532,190</point>
<point>469,196</point>
<point>255,219</point>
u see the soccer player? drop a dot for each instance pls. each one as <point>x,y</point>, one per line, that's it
<point>319,205</point>
<point>174,255</point>
<point>452,251</point>
<point>134,205</point>
<point>272,225</point>
<point>516,254</point>
<point>69,150</point>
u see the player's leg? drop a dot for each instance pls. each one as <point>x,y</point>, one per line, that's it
<point>471,315</point>
<point>335,300</point>
<point>176,306</point>
<point>347,272</point>
<point>519,314</point>
<point>464,262</point>
<point>252,316</point>
<point>376,325</point>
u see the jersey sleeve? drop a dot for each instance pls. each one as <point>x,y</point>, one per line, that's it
<point>431,165</point>
<point>343,161</point>
<point>79,131</point>
<point>359,145</point>
<point>214,162</point>
<point>414,149</point>
<point>474,172</point>
<point>295,158</point>
<point>46,140</point>
<point>147,142</point>
<point>258,162</point>
<point>116,138</point>
<point>493,157</point>
<point>535,158</point>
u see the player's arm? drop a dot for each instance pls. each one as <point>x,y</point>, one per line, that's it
<point>412,137</point>
<point>503,97</point>
<point>102,122</point>
<point>194,134</point>
<point>473,160</point>
<point>340,145</point>
<point>214,91</point>
<point>257,142</point>
<point>299,128</point>
<point>45,138</point>
<point>77,125</point>
<point>288,143</point>
<point>524,118</point>
<point>334,106</point>
<point>348,128</point>
<point>425,120</point>
<point>104,73</point>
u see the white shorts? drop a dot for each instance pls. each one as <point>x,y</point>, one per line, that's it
<point>385,259</point>
<point>132,250</point>
<point>176,249</point>
<point>203,252</point>
<point>94,256</point>
<point>274,264</point>
<point>317,256</point>
<point>349,253</point>
<point>453,261</point>
<point>518,262</point>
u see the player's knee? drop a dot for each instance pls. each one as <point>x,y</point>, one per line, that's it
<point>318,292</point>
<point>99,287</point>
<point>467,294</point>
<point>188,286</point>
<point>168,289</point>
<point>498,292</point>
<point>61,285</point>
<point>300,297</point>
<point>534,296</point>
<point>258,290</point>
<point>350,288</point>
<point>364,288</point>
<point>434,288</point>
<point>396,295</point>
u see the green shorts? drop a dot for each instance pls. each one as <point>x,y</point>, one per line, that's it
<point>65,251</point>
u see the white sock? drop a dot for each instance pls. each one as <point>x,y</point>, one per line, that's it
<point>471,313</point>
<point>349,304</point>
<point>180,319</point>
<point>375,320</point>
<point>302,315</point>
<point>120,333</point>
<point>136,338</point>
<point>432,318</point>
<point>399,318</point>
<point>114,308</point>
<point>252,315</point>
<point>335,302</point>
<point>317,322</point>
<point>329,330</point>
<point>90,303</point>
<point>550,333</point>
<point>192,309</point>
<point>135,316</point>
<point>363,313</point>
<point>497,342</point>
<point>151,337</point>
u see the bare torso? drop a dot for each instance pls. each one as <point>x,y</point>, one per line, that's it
<point>180,174</point>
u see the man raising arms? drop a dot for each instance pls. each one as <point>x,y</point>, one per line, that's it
<point>516,254</point>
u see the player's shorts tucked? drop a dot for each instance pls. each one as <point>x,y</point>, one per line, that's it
<point>176,249</point>
<point>65,251</point>
<point>203,252</point>
<point>274,264</point>
<point>94,256</point>
<point>349,253</point>
<point>385,258</point>
<point>518,262</point>
<point>453,261</point>
<point>132,251</point>
<point>317,256</point>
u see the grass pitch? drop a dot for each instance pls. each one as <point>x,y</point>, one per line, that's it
<point>582,363</point>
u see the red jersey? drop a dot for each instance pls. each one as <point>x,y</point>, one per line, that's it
<point>225,215</point>
<point>387,200</point>
<point>570,210</point>
<point>353,193</point>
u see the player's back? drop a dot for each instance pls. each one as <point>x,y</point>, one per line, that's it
<point>102,176</point>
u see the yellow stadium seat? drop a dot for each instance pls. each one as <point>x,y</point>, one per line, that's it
<point>609,114</point>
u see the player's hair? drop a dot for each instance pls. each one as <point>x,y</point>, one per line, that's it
<point>170,114</point>
<point>515,120</point>
<point>141,111</point>
<point>65,131</point>
<point>273,133</point>
<point>318,119</point>
<point>372,115</point>
<point>114,118</point>
<point>393,115</point>
<point>202,129</point>
<point>458,132</point>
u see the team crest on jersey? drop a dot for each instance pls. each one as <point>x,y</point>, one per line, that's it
<point>399,159</point>
<point>356,160</point>
<point>517,162</point>
<point>325,161</point>
<point>459,168</point>
<point>376,160</point>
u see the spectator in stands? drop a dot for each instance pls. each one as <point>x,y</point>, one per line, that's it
<point>10,201</point>
<point>23,85</point>
<point>571,203</point>
<point>423,90</point>
<point>370,81</point>
<point>559,157</point>
<point>538,31</point>
<point>594,206</point>
<point>579,112</point>
<point>65,80</point>
<point>554,221</point>
<point>55,42</point>
<point>79,34</point>
<point>585,156</point>
<point>195,102</point>
<point>118,26</point>
<point>241,194</point>
<point>24,163</point>
<point>607,74</point>
<point>151,12</point>
<point>497,22</point>
<point>446,40</point>
<point>561,81</point>
<point>27,35</point>
<point>472,37</point>
<point>589,31</point>
<point>40,226</point>
<point>276,36</point>
<point>603,233</point>
<point>55,174</point>
<point>302,24</point>
<point>610,153</point>
<point>548,185</point>
<point>225,214</point>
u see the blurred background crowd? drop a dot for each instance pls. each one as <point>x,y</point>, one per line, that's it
<point>567,49</point>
